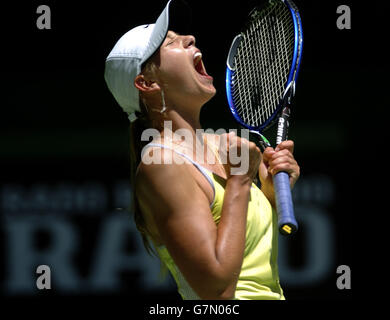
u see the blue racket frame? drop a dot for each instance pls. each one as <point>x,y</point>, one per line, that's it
<point>293,75</point>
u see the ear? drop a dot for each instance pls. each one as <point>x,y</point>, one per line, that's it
<point>144,85</point>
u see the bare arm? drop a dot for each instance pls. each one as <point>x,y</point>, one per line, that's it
<point>209,256</point>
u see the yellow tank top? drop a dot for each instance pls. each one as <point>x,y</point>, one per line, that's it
<point>259,278</point>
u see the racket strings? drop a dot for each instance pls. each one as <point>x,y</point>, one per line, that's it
<point>262,64</point>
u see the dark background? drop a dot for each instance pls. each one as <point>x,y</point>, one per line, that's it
<point>64,145</point>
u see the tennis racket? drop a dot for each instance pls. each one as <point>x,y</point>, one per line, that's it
<point>262,69</point>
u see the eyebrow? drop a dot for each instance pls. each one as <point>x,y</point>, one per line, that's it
<point>172,36</point>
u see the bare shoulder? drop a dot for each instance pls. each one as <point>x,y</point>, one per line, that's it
<point>164,180</point>
<point>159,165</point>
<point>169,197</point>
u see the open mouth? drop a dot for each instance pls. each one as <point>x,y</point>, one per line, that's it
<point>199,66</point>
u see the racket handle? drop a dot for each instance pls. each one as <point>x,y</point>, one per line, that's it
<point>284,205</point>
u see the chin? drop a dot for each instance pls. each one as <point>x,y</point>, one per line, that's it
<point>209,94</point>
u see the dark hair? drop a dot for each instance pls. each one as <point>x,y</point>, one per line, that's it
<point>142,123</point>
<point>136,145</point>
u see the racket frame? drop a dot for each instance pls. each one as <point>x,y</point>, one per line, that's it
<point>291,79</point>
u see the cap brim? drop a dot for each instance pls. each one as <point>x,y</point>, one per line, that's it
<point>177,17</point>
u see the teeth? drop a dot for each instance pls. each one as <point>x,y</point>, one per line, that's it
<point>197,58</point>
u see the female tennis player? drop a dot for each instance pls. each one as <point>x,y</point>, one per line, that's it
<point>215,231</point>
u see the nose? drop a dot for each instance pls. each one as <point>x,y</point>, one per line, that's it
<point>189,41</point>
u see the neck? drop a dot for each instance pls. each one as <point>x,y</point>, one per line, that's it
<point>182,129</point>
<point>184,121</point>
<point>185,136</point>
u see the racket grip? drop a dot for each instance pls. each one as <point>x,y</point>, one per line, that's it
<point>284,205</point>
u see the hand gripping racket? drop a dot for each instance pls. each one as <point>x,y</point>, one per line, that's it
<point>262,68</point>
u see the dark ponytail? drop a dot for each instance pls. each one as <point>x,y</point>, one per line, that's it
<point>137,127</point>
<point>136,145</point>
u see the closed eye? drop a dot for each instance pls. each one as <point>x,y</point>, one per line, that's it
<point>172,38</point>
<point>171,41</point>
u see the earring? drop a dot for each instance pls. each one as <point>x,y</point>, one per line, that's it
<point>164,108</point>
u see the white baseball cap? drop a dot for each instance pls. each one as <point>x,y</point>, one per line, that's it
<point>135,47</point>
